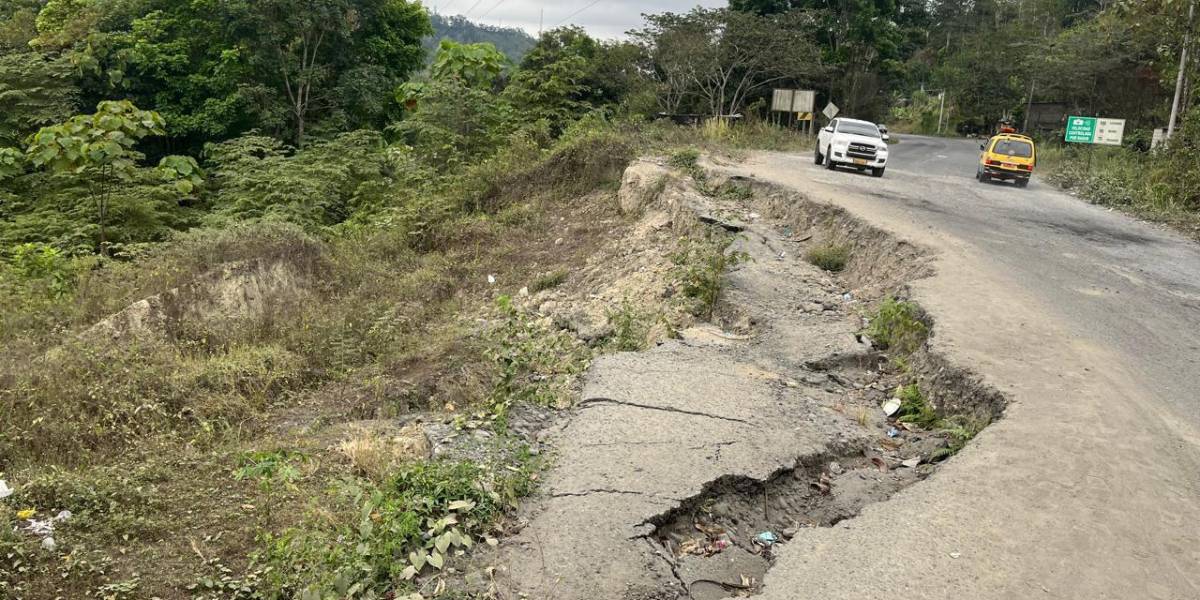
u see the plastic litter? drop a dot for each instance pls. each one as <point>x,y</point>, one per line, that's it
<point>492,279</point>
<point>44,528</point>
<point>766,538</point>
<point>49,544</point>
<point>911,463</point>
<point>891,406</point>
<point>5,491</point>
<point>893,432</point>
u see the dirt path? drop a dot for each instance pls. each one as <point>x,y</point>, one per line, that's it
<point>1090,485</point>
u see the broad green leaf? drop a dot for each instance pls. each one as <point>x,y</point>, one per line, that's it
<point>461,505</point>
<point>417,559</point>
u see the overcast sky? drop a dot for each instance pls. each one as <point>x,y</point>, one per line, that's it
<point>602,18</point>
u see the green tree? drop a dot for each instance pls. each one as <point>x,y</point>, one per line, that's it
<point>722,57</point>
<point>100,150</point>
<point>18,24</point>
<point>513,42</point>
<point>35,91</point>
<point>302,46</point>
<point>569,73</point>
<point>477,65</point>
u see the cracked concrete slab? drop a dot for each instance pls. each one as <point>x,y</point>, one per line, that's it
<point>653,429</point>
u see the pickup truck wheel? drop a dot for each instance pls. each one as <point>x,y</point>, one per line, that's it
<point>829,158</point>
<point>877,172</point>
<point>817,158</point>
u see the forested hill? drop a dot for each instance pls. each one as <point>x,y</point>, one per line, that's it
<point>514,43</point>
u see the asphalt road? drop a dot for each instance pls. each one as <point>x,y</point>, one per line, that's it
<point>1089,321</point>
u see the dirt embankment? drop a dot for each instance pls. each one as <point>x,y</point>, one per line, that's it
<point>686,465</point>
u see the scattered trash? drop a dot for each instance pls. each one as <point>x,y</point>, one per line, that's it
<point>26,514</point>
<point>847,296</point>
<point>893,432</point>
<point>49,544</point>
<point>822,484</point>
<point>955,554</point>
<point>911,463</point>
<point>835,468</point>
<point>5,491</point>
<point>524,292</point>
<point>702,547</point>
<point>492,279</point>
<point>766,539</point>
<point>42,528</point>
<point>880,464</point>
<point>891,406</point>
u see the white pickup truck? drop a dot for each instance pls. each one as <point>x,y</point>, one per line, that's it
<point>852,143</point>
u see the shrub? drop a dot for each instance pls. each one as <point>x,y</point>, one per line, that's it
<point>685,160</point>
<point>830,257</point>
<point>898,326</point>
<point>700,267</point>
<point>394,530</point>
<point>631,328</point>
<point>548,281</point>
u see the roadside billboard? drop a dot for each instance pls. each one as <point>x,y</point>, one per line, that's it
<point>1092,130</point>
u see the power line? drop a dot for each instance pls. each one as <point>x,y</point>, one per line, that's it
<point>447,6</point>
<point>576,13</point>
<point>494,7</point>
<point>473,7</point>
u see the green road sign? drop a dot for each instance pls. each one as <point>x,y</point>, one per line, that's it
<point>1081,130</point>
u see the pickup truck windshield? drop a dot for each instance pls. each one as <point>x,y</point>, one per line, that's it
<point>1013,148</point>
<point>858,129</point>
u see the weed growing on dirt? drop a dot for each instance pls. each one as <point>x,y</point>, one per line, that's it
<point>700,266</point>
<point>831,257</point>
<point>685,160</point>
<point>419,520</point>
<point>631,328</point>
<point>548,281</point>
<point>533,362</point>
<point>915,407</point>
<point>961,430</point>
<point>898,326</point>
<point>275,471</point>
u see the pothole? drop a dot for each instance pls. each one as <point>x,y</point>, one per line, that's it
<point>721,542</point>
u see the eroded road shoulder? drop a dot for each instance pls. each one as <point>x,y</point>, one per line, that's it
<point>688,465</point>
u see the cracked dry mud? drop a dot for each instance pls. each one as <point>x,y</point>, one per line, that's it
<point>678,457</point>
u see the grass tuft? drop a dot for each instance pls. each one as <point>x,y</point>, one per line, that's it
<point>830,256</point>
<point>898,326</point>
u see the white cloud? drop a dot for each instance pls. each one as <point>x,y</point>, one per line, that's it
<point>606,18</point>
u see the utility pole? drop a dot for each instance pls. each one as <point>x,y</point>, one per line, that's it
<point>1183,59</point>
<point>1029,105</point>
<point>941,111</point>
